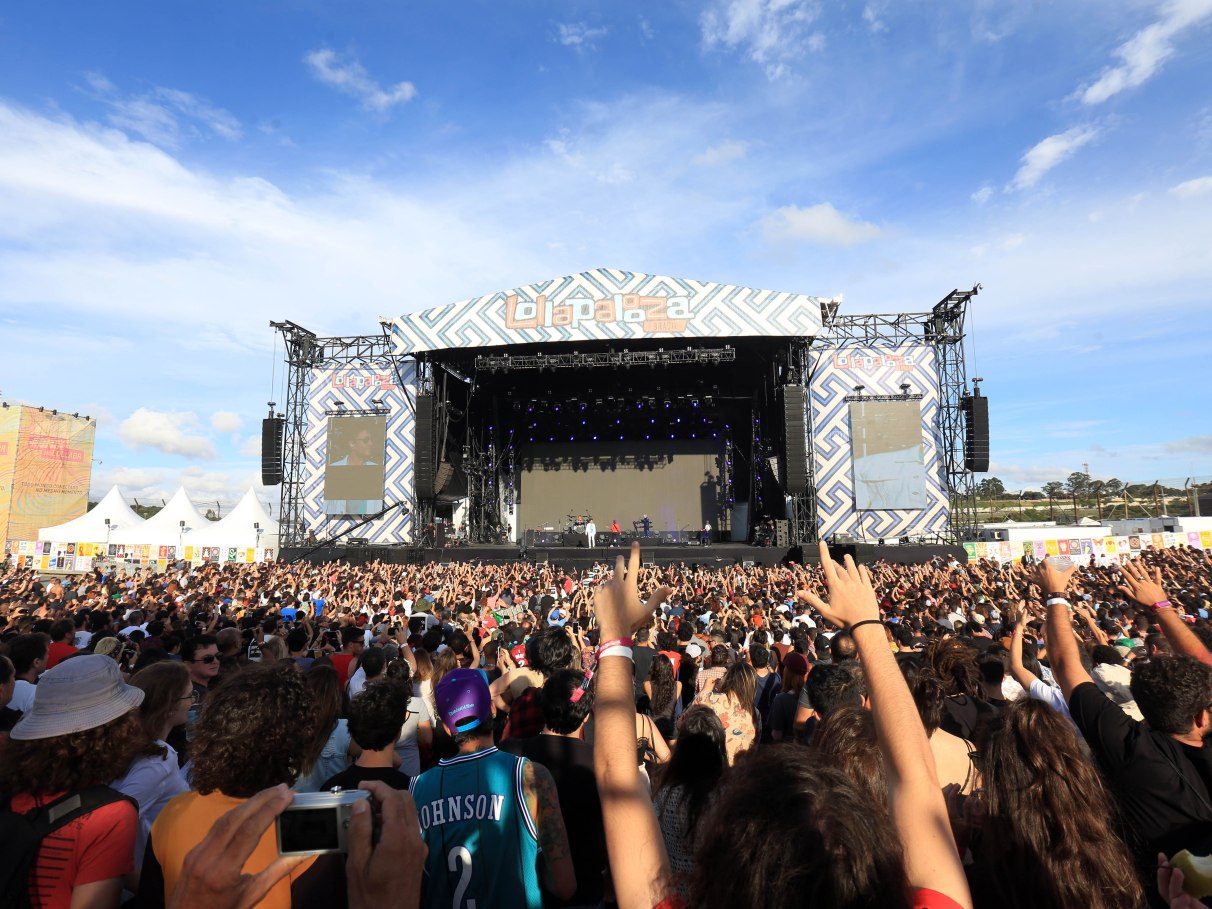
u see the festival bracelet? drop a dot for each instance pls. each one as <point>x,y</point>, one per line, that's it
<point>623,642</point>
<point>1162,604</point>
<point>616,650</point>
<point>865,622</point>
<point>1056,601</point>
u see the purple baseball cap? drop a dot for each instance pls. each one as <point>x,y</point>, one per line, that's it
<point>463,700</point>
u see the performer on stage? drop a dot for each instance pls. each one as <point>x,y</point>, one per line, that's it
<point>707,533</point>
<point>591,533</point>
<point>646,522</point>
<point>614,526</point>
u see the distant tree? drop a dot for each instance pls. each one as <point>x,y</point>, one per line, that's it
<point>1032,495</point>
<point>1112,487</point>
<point>1054,490</point>
<point>1078,484</point>
<point>990,488</point>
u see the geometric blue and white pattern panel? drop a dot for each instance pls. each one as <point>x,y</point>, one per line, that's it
<point>356,387</point>
<point>608,304</point>
<point>881,371</point>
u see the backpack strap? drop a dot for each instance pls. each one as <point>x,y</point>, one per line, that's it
<point>48,818</point>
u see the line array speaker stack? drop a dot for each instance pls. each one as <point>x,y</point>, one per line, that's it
<point>273,429</point>
<point>424,470</point>
<point>795,440</point>
<point>976,433</point>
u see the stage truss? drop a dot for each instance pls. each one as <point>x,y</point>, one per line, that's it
<point>491,477</point>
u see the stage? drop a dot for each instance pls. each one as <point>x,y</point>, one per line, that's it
<point>714,556</point>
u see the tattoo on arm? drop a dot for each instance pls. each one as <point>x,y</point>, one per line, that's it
<point>544,804</point>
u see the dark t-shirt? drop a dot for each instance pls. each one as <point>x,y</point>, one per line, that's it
<point>782,714</point>
<point>962,715</point>
<point>642,654</point>
<point>570,762</point>
<point>1163,787</point>
<point>351,776</point>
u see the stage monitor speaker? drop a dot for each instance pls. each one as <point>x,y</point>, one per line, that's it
<point>782,534</point>
<point>425,469</point>
<point>273,429</point>
<point>795,440</point>
<point>976,433</point>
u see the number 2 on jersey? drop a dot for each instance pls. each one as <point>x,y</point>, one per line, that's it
<point>461,855</point>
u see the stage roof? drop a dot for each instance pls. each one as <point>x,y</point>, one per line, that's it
<point>607,304</point>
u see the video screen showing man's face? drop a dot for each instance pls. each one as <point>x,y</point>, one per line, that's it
<point>353,477</point>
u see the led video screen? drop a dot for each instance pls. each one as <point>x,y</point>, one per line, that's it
<point>886,448</point>
<point>353,471</point>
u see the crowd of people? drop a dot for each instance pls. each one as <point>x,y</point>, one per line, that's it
<point>937,735</point>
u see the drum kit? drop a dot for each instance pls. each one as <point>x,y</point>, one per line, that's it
<point>577,523</point>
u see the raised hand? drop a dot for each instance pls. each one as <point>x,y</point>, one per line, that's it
<point>1170,886</point>
<point>851,594</point>
<point>617,603</point>
<point>389,872</point>
<point>1053,579</point>
<point>1142,585</point>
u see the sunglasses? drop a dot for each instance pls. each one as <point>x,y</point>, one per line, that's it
<point>206,659</point>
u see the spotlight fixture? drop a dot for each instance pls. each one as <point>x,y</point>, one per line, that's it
<point>858,389</point>
<point>904,388</point>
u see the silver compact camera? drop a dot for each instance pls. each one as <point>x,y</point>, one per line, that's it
<point>317,823</point>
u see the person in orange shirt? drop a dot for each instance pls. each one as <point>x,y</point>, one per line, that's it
<point>62,633</point>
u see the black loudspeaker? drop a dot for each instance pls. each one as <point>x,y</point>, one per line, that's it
<point>976,433</point>
<point>272,431</point>
<point>795,440</point>
<point>424,451</point>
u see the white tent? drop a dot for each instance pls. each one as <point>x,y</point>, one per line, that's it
<point>164,527</point>
<point>239,528</point>
<point>90,527</point>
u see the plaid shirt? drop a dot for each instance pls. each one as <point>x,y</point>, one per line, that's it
<point>525,715</point>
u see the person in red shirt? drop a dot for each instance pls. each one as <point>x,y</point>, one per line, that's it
<point>62,633</point>
<point>353,642</point>
<point>82,731</point>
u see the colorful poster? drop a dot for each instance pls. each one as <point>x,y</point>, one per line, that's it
<point>1041,549</point>
<point>1134,543</point>
<point>1158,541</point>
<point>1205,539</point>
<point>163,552</point>
<point>44,562</point>
<point>1193,538</point>
<point>46,476</point>
<point>1100,546</point>
<point>250,555</point>
<point>970,549</point>
<point>1112,546</point>
<point>1007,551</point>
<point>1085,547</point>
<point>1062,547</point>
<point>231,553</point>
<point>83,563</point>
<point>189,553</point>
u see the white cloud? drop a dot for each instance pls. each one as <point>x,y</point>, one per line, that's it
<point>771,33</point>
<point>578,34</point>
<point>350,76</point>
<point>1189,189</point>
<point>724,153</point>
<point>1049,153</point>
<point>151,486</point>
<point>166,431</point>
<point>983,194</point>
<point>226,421</point>
<point>1142,55</point>
<point>1195,444</point>
<point>251,447</point>
<point>872,14</point>
<point>818,224</point>
<point>646,30</point>
<point>164,116</point>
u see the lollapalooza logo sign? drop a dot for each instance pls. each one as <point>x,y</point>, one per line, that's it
<point>863,362</point>
<point>361,381</point>
<point>669,314</point>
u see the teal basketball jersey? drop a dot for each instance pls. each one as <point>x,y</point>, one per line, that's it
<point>483,845</point>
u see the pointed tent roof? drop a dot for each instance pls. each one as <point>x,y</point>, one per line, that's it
<point>236,528</point>
<point>90,526</point>
<point>164,527</point>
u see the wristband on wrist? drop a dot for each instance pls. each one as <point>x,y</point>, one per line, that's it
<point>865,622</point>
<point>1162,604</point>
<point>623,642</point>
<point>1056,601</point>
<point>616,650</point>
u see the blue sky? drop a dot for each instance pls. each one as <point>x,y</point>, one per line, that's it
<point>173,176</point>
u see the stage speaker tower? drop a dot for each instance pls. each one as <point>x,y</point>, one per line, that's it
<point>795,440</point>
<point>976,433</point>
<point>424,476</point>
<point>273,429</point>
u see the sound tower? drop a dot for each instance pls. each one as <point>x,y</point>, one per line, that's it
<point>273,430</point>
<point>424,475</point>
<point>976,433</point>
<point>795,440</point>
